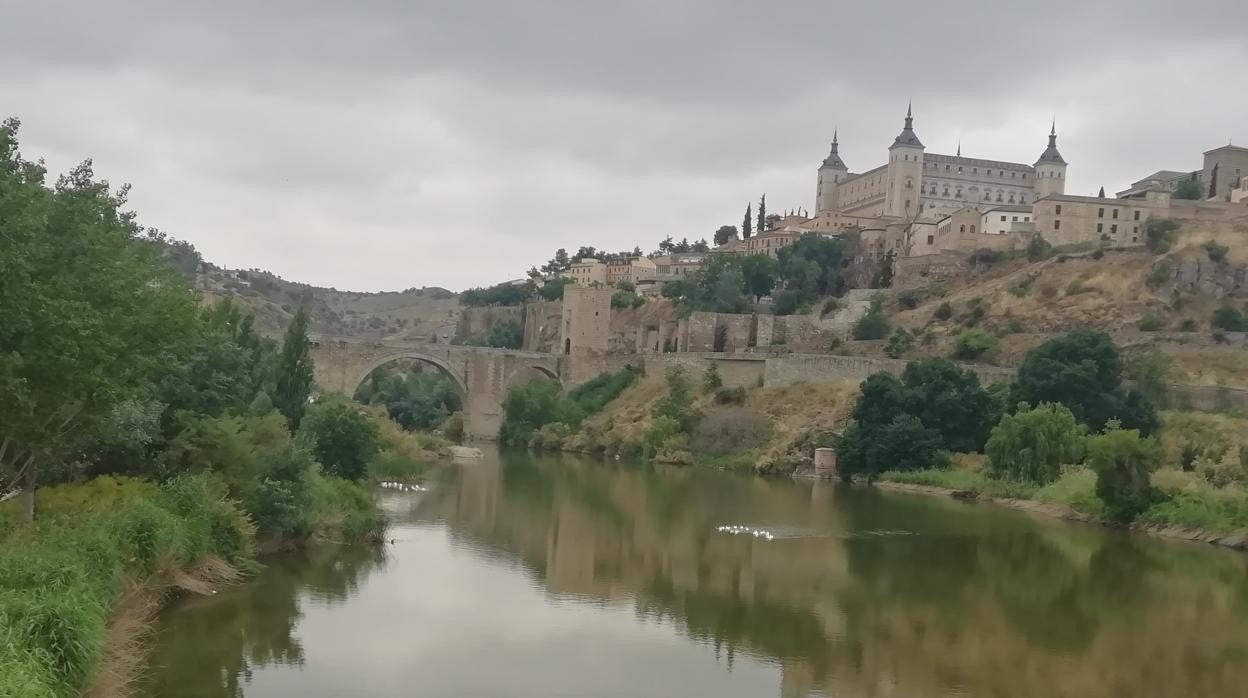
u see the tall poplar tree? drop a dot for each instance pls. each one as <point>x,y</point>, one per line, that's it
<point>294,372</point>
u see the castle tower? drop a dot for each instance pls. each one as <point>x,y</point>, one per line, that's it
<point>831,173</point>
<point>1050,168</point>
<point>903,196</point>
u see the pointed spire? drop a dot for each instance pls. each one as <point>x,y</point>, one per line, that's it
<point>1050,154</point>
<point>959,147</point>
<point>907,137</point>
<point>833,160</point>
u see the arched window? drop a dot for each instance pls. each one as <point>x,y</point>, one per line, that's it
<point>972,229</point>
<point>909,183</point>
<point>962,228</point>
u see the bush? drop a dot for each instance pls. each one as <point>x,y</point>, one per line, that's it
<point>944,311</point>
<point>662,429</point>
<point>730,396</point>
<point>550,437</point>
<point>974,344</point>
<point>899,342</point>
<point>529,406</point>
<point>1039,249</point>
<point>392,466</point>
<point>786,302</point>
<point>626,299</point>
<point>1188,325</point>
<point>1158,275</point>
<point>453,428</point>
<point>1151,322</point>
<point>909,299</point>
<point>1229,319</point>
<point>1123,461</point>
<point>1159,234</point>
<point>710,378</point>
<point>593,395</point>
<point>903,444</point>
<point>730,431</point>
<point>344,438</point>
<point>1216,252</point>
<point>873,325</point>
<point>1032,445</point>
<point>676,403</point>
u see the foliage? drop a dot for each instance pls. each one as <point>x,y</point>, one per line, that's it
<point>343,438</point>
<point>812,266</point>
<point>1188,189</point>
<point>1160,233</point>
<point>550,437</point>
<point>558,264</point>
<point>949,400</point>
<point>899,342</point>
<point>294,371</point>
<point>416,399</point>
<point>1216,252</point>
<point>724,234</point>
<point>943,312</point>
<point>786,302</point>
<point>626,299</point>
<point>1229,319</point>
<point>552,290</point>
<point>506,293</point>
<point>909,299</point>
<point>975,344</point>
<point>730,396</point>
<point>61,578</point>
<point>1083,371</point>
<point>730,430</point>
<point>874,324</point>
<point>1188,501</point>
<point>1151,321</point>
<point>593,395</point>
<point>1038,249</point>
<point>676,404</point>
<point>1123,461</point>
<point>902,444</point>
<point>391,466</point>
<point>1148,369</point>
<point>661,431</point>
<point>531,405</point>
<point>758,275</point>
<point>710,378</point>
<point>1032,445</point>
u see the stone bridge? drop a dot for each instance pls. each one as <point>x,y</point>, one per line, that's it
<point>481,375</point>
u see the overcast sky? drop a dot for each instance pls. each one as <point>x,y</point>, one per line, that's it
<point>385,145</point>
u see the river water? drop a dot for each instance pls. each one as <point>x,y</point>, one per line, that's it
<point>537,576</point>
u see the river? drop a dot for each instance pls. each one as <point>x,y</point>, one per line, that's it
<point>542,576</point>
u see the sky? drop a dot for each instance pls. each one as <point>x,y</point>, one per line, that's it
<point>387,145</point>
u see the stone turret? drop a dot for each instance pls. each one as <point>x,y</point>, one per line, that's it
<point>905,172</point>
<point>1050,168</point>
<point>831,173</point>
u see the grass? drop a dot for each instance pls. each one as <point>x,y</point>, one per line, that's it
<point>1190,501</point>
<point>60,578</point>
<point>961,480</point>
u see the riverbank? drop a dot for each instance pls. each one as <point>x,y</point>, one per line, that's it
<point>1073,499</point>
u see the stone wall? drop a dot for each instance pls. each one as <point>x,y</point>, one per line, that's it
<point>917,272</point>
<point>542,326</point>
<point>585,320</point>
<point>477,322</point>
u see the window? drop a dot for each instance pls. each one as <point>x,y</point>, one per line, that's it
<point>1137,215</point>
<point>1100,227</point>
<point>1135,230</point>
<point>972,230</point>
<point>1002,219</point>
<point>1013,175</point>
<point>962,228</point>
<point>1100,213</point>
<point>1059,209</point>
<point>1014,219</point>
<point>959,169</point>
<point>974,170</point>
<point>946,168</point>
<point>1113,229</point>
<point>1057,225</point>
<point>930,239</point>
<point>1115,213</point>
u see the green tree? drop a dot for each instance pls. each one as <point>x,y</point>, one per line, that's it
<point>762,213</point>
<point>530,406</point>
<point>1159,234</point>
<point>505,334</point>
<point>344,439</point>
<point>903,443</point>
<point>974,344</point>
<point>293,384</point>
<point>1083,371</point>
<point>559,264</point>
<point>1229,319</point>
<point>1123,461</point>
<point>874,324</point>
<point>724,234</point>
<point>747,224</point>
<point>759,274</point>
<point>89,317</point>
<point>1149,370</point>
<point>899,342</point>
<point>553,290</point>
<point>1188,189</point>
<point>1032,445</point>
<point>951,401</point>
<point>812,265</point>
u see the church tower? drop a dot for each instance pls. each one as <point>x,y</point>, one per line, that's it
<point>1050,168</point>
<point>903,196</point>
<point>831,173</point>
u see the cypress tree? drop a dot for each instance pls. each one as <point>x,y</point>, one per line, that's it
<point>762,213</point>
<point>748,224</point>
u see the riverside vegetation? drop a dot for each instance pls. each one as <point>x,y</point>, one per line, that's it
<point>171,442</point>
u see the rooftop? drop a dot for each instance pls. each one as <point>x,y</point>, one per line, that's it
<point>960,160</point>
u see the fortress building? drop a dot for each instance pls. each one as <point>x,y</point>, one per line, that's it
<point>915,184</point>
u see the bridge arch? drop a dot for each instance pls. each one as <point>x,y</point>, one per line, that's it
<point>415,355</point>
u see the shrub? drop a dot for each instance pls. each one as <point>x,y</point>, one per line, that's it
<point>662,429</point>
<point>730,396</point>
<point>593,395</point>
<point>1158,275</point>
<point>909,299</point>
<point>899,342</point>
<point>1123,461</point>
<point>626,299</point>
<point>1229,319</point>
<point>1148,369</point>
<point>944,311</point>
<point>984,257</point>
<point>1159,234</point>
<point>550,437</point>
<point>1188,325</point>
<point>1216,252</point>
<point>676,403</point>
<point>730,431</point>
<point>710,378</point>
<point>786,302</point>
<point>872,325</point>
<point>1150,322</point>
<point>1039,248</point>
<point>903,444</point>
<point>1032,445</point>
<point>453,428</point>
<point>392,466</point>
<point>344,438</point>
<point>974,344</point>
<point>530,405</point>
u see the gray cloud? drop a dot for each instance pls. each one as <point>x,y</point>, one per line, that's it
<point>391,144</point>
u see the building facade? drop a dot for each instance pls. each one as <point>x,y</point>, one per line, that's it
<point>915,184</point>
<point>588,271</point>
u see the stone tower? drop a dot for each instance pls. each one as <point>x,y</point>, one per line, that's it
<point>1050,168</point>
<point>831,173</point>
<point>905,173</point>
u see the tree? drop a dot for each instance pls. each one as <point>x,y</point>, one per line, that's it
<point>901,444</point>
<point>665,247</point>
<point>1148,369</point>
<point>1187,189</point>
<point>1213,182</point>
<point>1123,461</point>
<point>1032,445</point>
<point>1083,371</point>
<point>762,213</point>
<point>759,274</point>
<point>553,290</point>
<point>506,334</point>
<point>89,316</point>
<point>949,400</point>
<point>874,324</point>
<point>344,439</point>
<point>974,344</point>
<point>899,342</point>
<point>559,264</point>
<point>700,246</point>
<point>747,224</point>
<point>1101,193</point>
<point>294,372</point>
<point>724,234</point>
<point>1159,234</point>
<point>812,264</point>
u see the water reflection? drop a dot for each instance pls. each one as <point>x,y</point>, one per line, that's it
<point>860,593</point>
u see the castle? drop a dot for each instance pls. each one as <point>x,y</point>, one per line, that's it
<point>915,184</point>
